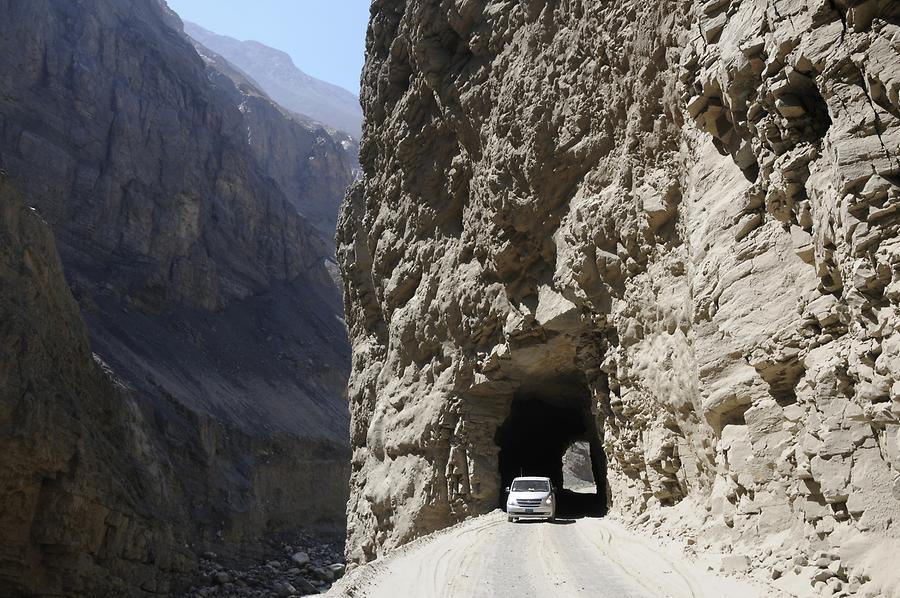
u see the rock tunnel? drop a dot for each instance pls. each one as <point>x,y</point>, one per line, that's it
<point>544,421</point>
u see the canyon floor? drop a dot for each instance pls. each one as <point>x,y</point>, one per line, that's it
<point>488,556</point>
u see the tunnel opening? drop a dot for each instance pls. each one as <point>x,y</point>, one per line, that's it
<point>540,428</point>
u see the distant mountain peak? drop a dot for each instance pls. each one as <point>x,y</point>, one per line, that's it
<point>278,76</point>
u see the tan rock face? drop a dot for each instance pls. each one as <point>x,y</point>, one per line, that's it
<point>669,225</point>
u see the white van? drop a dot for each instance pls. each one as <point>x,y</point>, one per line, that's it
<point>531,498</point>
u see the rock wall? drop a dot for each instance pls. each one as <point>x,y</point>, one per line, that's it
<point>312,165</point>
<point>681,216</point>
<point>212,411</point>
<point>178,241</point>
<point>104,492</point>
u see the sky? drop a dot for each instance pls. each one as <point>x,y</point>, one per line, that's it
<point>326,38</point>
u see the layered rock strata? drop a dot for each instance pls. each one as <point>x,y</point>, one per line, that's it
<point>168,224</point>
<point>211,412</point>
<point>677,219</point>
<point>102,491</point>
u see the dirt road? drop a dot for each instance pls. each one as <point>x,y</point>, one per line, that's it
<point>488,556</point>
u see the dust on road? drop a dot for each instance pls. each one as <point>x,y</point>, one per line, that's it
<point>489,557</point>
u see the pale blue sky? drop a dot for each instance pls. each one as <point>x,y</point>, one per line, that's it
<point>326,38</point>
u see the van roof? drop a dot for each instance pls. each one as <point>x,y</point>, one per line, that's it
<point>533,479</point>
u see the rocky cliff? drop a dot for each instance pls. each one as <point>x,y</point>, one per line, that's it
<point>212,411</point>
<point>168,223</point>
<point>275,72</point>
<point>311,164</point>
<point>49,386</point>
<point>105,492</point>
<point>667,229</point>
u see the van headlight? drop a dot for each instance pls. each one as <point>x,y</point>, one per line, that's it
<point>511,501</point>
<point>548,500</point>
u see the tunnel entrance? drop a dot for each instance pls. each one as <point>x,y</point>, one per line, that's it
<point>540,428</point>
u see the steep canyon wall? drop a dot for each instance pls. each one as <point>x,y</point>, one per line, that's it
<point>678,218</point>
<point>174,358</point>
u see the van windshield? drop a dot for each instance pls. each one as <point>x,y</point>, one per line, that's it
<point>530,486</point>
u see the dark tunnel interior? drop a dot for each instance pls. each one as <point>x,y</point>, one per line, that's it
<point>534,438</point>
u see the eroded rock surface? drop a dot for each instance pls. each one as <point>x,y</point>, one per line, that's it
<point>679,219</point>
<point>212,411</point>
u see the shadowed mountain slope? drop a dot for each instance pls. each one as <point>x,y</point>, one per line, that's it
<point>212,411</point>
<point>279,77</point>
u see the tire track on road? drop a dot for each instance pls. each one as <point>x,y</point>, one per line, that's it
<point>487,557</point>
<point>637,569</point>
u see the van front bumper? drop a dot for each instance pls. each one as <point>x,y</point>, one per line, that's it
<point>537,512</point>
